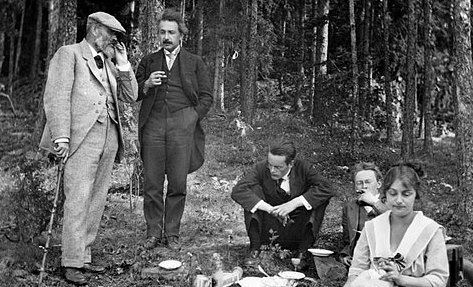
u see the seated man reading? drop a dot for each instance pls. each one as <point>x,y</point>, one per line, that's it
<point>285,195</point>
<point>367,182</point>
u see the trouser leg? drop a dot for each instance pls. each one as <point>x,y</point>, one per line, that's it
<point>101,184</point>
<point>153,154</point>
<point>179,141</point>
<point>80,174</point>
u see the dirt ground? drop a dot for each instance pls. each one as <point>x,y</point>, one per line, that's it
<point>212,222</point>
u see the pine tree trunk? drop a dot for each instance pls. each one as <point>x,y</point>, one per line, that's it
<point>62,20</point>
<point>219,64</point>
<point>283,48</point>
<point>37,43</point>
<point>321,49</point>
<point>314,111</point>
<point>252,61</point>
<point>2,43</point>
<point>297,103</point>
<point>354,62</point>
<point>200,26</point>
<point>407,150</point>
<point>365,106</point>
<point>464,105</point>
<point>428,78</point>
<point>20,37</point>
<point>248,60</point>
<point>387,77</point>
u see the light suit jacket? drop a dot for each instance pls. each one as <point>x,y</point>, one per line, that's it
<point>74,96</point>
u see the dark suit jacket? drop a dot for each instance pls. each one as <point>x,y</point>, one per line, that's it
<point>354,217</point>
<point>258,185</point>
<point>196,86</point>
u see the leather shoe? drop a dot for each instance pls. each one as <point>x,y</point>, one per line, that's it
<point>89,267</point>
<point>152,242</point>
<point>74,276</point>
<point>173,243</point>
<point>252,258</point>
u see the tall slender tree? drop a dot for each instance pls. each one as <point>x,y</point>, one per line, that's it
<point>62,30</point>
<point>428,75</point>
<point>297,102</point>
<point>366,63</point>
<point>387,76</point>
<point>407,150</point>
<point>35,60</point>
<point>321,48</point>
<point>463,70</point>
<point>354,78</point>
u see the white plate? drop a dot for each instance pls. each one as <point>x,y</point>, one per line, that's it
<point>320,252</point>
<point>292,275</point>
<point>170,264</point>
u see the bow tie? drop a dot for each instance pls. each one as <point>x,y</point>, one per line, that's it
<point>98,61</point>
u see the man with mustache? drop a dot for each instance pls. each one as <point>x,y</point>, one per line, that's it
<point>367,181</point>
<point>285,195</point>
<point>175,89</point>
<point>83,127</point>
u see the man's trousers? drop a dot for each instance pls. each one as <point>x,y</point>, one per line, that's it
<point>167,141</point>
<point>86,181</point>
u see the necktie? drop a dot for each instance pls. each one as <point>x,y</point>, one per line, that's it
<point>170,61</point>
<point>98,61</point>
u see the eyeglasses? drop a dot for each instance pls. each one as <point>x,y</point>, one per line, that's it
<point>275,167</point>
<point>361,182</point>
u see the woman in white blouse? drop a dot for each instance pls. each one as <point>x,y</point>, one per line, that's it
<point>401,247</point>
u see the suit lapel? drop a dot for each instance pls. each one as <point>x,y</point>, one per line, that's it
<point>186,66</point>
<point>87,54</point>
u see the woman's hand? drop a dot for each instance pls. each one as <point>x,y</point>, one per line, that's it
<point>392,273</point>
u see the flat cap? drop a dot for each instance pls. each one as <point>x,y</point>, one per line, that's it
<point>107,20</point>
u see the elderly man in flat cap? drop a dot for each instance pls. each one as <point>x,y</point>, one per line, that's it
<point>83,128</point>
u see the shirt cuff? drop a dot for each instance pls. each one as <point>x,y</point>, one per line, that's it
<point>124,68</point>
<point>61,140</point>
<point>255,208</point>
<point>305,203</point>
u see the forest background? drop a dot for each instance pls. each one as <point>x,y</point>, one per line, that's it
<point>353,80</point>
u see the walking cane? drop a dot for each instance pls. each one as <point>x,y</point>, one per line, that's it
<point>60,170</point>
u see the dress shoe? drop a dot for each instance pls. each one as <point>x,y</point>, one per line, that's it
<point>152,242</point>
<point>173,243</point>
<point>252,258</point>
<point>74,276</point>
<point>89,267</point>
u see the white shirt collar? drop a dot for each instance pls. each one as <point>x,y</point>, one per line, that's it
<point>286,176</point>
<point>173,53</point>
<point>94,53</point>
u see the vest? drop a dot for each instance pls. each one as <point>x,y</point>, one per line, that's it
<point>109,108</point>
<point>171,93</point>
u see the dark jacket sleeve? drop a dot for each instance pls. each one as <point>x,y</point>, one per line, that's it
<point>249,191</point>
<point>142,74</point>
<point>205,98</point>
<point>345,233</point>
<point>318,190</point>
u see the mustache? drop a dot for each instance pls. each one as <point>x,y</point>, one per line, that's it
<point>167,42</point>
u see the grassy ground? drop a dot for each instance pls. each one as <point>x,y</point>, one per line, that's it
<point>212,222</point>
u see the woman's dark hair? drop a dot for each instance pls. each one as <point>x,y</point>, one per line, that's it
<point>283,147</point>
<point>408,173</point>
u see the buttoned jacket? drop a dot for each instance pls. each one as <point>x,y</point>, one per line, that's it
<point>196,87</point>
<point>75,96</point>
